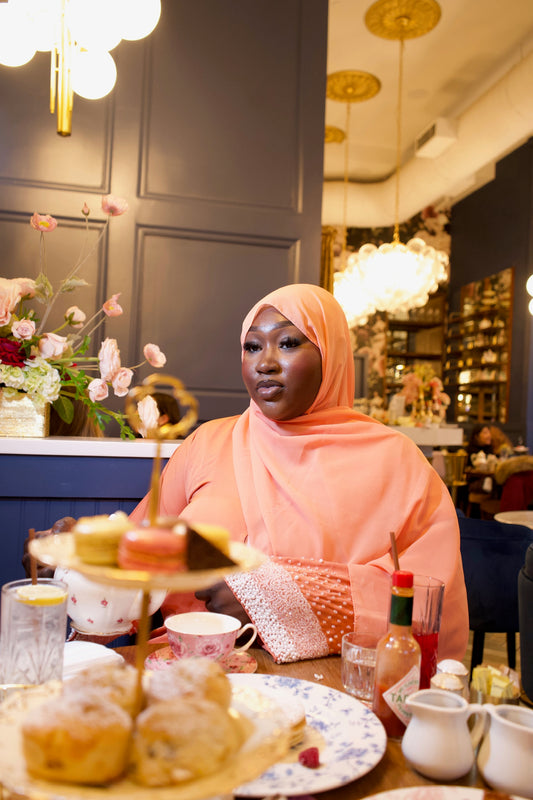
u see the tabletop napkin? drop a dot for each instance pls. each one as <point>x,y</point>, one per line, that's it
<point>79,655</point>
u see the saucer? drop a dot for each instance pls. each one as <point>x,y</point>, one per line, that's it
<point>232,662</point>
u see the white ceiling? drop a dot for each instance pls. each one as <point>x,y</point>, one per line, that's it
<point>476,44</point>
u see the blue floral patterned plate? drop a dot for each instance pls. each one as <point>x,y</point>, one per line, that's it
<point>350,738</point>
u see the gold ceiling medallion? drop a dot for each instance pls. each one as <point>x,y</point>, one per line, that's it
<point>352,86</point>
<point>333,135</point>
<point>402,19</point>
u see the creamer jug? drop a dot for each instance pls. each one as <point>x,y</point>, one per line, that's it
<point>438,742</point>
<point>505,757</point>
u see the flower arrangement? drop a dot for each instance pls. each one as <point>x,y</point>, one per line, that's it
<point>423,392</point>
<point>49,366</point>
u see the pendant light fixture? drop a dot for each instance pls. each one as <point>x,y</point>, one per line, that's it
<point>79,35</point>
<point>398,277</point>
<point>350,86</point>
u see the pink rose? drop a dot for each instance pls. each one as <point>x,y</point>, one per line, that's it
<point>75,316</point>
<point>114,206</point>
<point>121,381</point>
<point>27,287</point>
<point>98,390</point>
<point>109,359</point>
<point>154,356</point>
<point>111,307</point>
<point>52,345</point>
<point>85,210</point>
<point>43,222</point>
<point>23,329</point>
<point>148,414</point>
<point>11,291</point>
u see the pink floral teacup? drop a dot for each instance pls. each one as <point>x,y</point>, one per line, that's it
<point>202,633</point>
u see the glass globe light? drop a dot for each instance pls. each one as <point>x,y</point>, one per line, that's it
<point>529,285</point>
<point>530,307</point>
<point>45,19</point>
<point>17,39</point>
<point>93,74</point>
<point>139,18</point>
<point>95,25</point>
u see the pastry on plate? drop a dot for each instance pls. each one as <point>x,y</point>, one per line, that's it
<point>96,538</point>
<point>116,683</point>
<point>190,677</point>
<point>77,739</point>
<point>182,739</point>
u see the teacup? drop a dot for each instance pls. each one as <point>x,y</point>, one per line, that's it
<point>202,633</point>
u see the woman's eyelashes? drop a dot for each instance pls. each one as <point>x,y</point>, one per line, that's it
<point>286,343</point>
<point>250,347</point>
<point>290,341</point>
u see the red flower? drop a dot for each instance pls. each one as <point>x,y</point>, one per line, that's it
<point>12,353</point>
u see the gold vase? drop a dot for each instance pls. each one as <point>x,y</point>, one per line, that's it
<point>20,416</point>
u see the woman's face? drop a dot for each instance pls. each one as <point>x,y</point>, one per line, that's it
<point>484,437</point>
<point>281,368</point>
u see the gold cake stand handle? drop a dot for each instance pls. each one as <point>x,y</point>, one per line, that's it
<point>149,386</point>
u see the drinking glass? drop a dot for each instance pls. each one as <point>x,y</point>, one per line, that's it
<point>358,665</point>
<point>427,609</point>
<point>33,631</point>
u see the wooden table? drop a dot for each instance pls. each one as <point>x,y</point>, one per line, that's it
<point>392,771</point>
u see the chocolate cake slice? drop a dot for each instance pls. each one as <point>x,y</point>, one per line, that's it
<point>200,553</point>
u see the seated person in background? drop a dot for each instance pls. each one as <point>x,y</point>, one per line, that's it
<point>316,486</point>
<point>480,440</point>
<point>158,408</point>
<point>501,444</point>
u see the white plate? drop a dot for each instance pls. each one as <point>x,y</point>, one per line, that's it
<point>350,738</point>
<point>432,793</point>
<point>516,517</point>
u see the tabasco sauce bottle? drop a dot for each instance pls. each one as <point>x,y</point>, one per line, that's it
<point>397,660</point>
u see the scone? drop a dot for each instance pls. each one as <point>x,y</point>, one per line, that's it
<point>190,677</point>
<point>182,739</point>
<point>77,739</point>
<point>116,683</point>
<point>96,539</point>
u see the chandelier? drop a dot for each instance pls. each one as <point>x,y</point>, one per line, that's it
<point>350,86</point>
<point>394,277</point>
<point>79,35</point>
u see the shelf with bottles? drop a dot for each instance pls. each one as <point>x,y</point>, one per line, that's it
<point>476,368</point>
<point>481,404</point>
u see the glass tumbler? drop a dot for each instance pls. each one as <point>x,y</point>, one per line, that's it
<point>32,631</point>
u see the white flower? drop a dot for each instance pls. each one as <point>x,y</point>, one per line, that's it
<point>148,414</point>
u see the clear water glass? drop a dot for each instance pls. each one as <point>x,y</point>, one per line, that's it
<point>32,635</point>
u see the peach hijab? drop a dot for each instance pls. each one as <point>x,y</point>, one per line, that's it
<point>294,476</point>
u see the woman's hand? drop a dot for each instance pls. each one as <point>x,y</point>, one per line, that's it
<point>61,526</point>
<point>221,600</point>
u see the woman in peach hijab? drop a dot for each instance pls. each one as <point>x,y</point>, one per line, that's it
<point>316,486</point>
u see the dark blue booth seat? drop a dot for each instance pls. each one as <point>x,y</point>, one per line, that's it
<point>493,554</point>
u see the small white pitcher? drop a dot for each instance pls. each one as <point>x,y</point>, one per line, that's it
<point>505,757</point>
<point>438,742</point>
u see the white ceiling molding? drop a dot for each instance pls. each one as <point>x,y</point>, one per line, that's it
<point>495,124</point>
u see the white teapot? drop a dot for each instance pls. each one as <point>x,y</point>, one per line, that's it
<point>479,460</point>
<point>102,609</point>
<point>437,741</point>
<point>505,757</point>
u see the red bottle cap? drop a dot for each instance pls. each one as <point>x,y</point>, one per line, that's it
<point>402,578</point>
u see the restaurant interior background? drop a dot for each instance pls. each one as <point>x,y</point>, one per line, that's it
<point>214,133</point>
